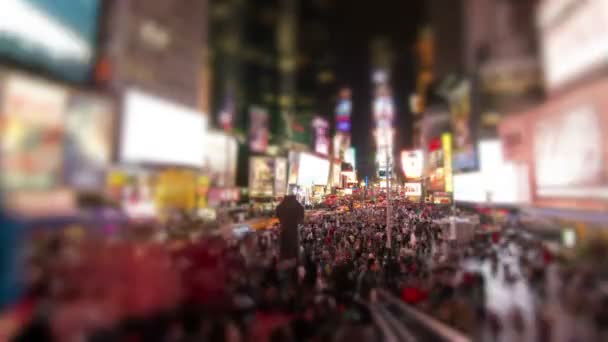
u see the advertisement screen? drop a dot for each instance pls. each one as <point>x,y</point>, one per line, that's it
<point>313,170</point>
<point>574,38</point>
<point>322,142</point>
<point>158,131</point>
<point>497,181</point>
<point>258,129</point>
<point>349,176</point>
<point>294,167</point>
<point>569,160</point>
<point>226,116</point>
<point>220,158</point>
<point>446,141</point>
<point>335,174</point>
<point>261,176</point>
<point>464,149</point>
<point>349,156</point>
<point>436,181</point>
<point>88,141</point>
<point>343,115</point>
<point>413,189</point>
<point>32,134</point>
<point>280,177</point>
<point>55,35</point>
<point>412,164</point>
<point>343,111</point>
<point>384,110</point>
<point>341,143</point>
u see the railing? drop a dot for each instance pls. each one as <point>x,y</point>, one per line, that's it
<point>409,324</point>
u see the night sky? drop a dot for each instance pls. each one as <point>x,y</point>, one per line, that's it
<point>353,25</point>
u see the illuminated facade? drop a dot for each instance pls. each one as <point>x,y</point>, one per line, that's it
<point>383,109</point>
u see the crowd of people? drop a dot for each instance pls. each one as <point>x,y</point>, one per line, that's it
<point>170,283</point>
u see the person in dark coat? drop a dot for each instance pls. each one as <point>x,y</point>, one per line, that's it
<point>290,213</point>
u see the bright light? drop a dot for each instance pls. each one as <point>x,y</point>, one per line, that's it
<point>412,163</point>
<point>501,181</point>
<point>569,237</point>
<point>38,29</point>
<point>313,170</point>
<point>158,131</point>
<point>413,189</point>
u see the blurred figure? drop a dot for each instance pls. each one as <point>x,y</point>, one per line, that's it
<point>291,214</point>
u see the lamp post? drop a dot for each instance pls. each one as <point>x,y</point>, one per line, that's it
<point>388,200</point>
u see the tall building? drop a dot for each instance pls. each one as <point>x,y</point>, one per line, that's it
<point>477,61</point>
<point>156,52</point>
<point>383,108</point>
<point>276,54</point>
<point>562,141</point>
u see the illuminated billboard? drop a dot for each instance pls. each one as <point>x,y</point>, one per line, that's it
<point>574,39</point>
<point>413,189</point>
<point>569,156</point>
<point>258,129</point>
<point>313,170</point>
<point>412,163</point>
<point>221,158</point>
<point>261,176</point>
<point>227,114</point>
<point>383,108</point>
<point>341,142</point>
<point>32,134</point>
<point>349,176</point>
<point>88,141</point>
<point>321,129</point>
<point>498,180</point>
<point>268,176</point>
<point>343,111</point>
<point>349,157</point>
<point>464,146</point>
<point>294,167</point>
<point>446,140</point>
<point>58,36</point>
<point>436,165</point>
<point>158,131</point>
<point>335,174</point>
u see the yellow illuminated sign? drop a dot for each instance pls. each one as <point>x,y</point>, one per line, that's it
<point>446,142</point>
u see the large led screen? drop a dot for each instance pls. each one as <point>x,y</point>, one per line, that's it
<point>88,142</point>
<point>32,114</point>
<point>322,142</point>
<point>313,170</point>
<point>261,176</point>
<point>569,156</point>
<point>221,152</point>
<point>258,129</point>
<point>497,181</point>
<point>412,164</point>
<point>574,39</point>
<point>462,123</point>
<point>55,35</point>
<point>160,132</point>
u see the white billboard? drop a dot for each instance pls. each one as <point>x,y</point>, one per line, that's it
<point>568,155</point>
<point>220,158</point>
<point>412,163</point>
<point>574,38</point>
<point>498,181</point>
<point>413,189</point>
<point>312,170</point>
<point>158,131</point>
